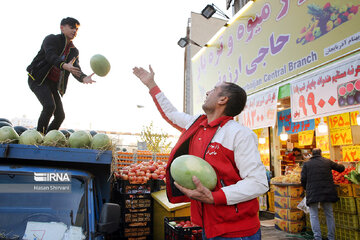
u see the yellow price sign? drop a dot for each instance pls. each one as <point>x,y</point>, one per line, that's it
<point>322,142</point>
<point>339,120</point>
<point>353,116</point>
<point>351,153</point>
<point>341,136</point>
<point>306,138</point>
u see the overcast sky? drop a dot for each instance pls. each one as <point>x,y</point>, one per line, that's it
<point>128,33</point>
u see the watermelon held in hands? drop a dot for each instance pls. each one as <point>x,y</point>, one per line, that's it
<point>183,168</point>
<point>100,65</point>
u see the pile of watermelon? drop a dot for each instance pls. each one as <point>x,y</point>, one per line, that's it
<point>55,138</point>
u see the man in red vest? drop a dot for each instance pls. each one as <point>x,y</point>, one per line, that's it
<point>230,211</point>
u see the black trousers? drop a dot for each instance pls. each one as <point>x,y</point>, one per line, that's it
<point>50,100</point>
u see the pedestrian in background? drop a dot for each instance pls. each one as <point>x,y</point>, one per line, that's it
<point>317,180</point>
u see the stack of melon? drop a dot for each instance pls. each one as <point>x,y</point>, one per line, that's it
<point>55,138</point>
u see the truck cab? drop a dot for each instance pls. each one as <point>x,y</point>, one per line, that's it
<point>55,193</point>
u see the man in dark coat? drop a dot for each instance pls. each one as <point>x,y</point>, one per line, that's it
<point>317,180</point>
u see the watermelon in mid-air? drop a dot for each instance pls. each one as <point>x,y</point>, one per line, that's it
<point>100,65</point>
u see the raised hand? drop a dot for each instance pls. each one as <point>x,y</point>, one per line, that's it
<point>147,78</point>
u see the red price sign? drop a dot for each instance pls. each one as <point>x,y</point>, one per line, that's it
<point>341,136</point>
<point>309,101</point>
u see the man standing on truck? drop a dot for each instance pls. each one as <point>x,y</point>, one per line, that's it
<point>231,209</point>
<point>49,72</point>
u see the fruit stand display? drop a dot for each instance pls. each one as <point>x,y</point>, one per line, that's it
<point>137,175</point>
<point>288,193</point>
<point>347,209</point>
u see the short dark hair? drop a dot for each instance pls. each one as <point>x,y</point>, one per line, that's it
<point>296,149</point>
<point>316,152</point>
<point>237,98</point>
<point>72,22</point>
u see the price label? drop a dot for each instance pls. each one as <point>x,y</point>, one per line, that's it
<point>339,120</point>
<point>306,138</point>
<point>322,142</point>
<point>353,116</point>
<point>341,136</point>
<point>351,153</point>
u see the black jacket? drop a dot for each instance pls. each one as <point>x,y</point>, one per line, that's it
<point>49,55</point>
<point>317,179</point>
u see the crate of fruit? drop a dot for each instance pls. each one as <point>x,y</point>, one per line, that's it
<point>181,228</point>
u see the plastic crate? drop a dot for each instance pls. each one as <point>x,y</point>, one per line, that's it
<point>356,190</point>
<point>346,220</point>
<point>132,217</point>
<point>345,190</point>
<point>180,233</point>
<point>346,205</point>
<point>141,231</point>
<point>125,187</point>
<point>346,234</point>
<point>130,202</point>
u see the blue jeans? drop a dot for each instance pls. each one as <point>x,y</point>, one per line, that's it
<point>314,220</point>
<point>256,236</point>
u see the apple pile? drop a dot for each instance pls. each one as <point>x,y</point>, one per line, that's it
<point>140,173</point>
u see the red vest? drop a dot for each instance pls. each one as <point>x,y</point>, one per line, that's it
<point>216,220</point>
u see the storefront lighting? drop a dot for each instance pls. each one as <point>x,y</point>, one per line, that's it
<point>183,42</point>
<point>239,13</point>
<point>283,135</point>
<point>262,140</point>
<point>210,10</point>
<point>322,127</point>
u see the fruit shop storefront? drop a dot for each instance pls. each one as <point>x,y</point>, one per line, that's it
<point>299,62</point>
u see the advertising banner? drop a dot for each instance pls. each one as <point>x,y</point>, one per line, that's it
<point>285,120</point>
<point>260,109</point>
<point>330,90</point>
<point>276,40</point>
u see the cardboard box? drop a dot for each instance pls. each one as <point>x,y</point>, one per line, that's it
<point>289,214</point>
<point>289,226</point>
<point>295,191</point>
<point>287,202</point>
